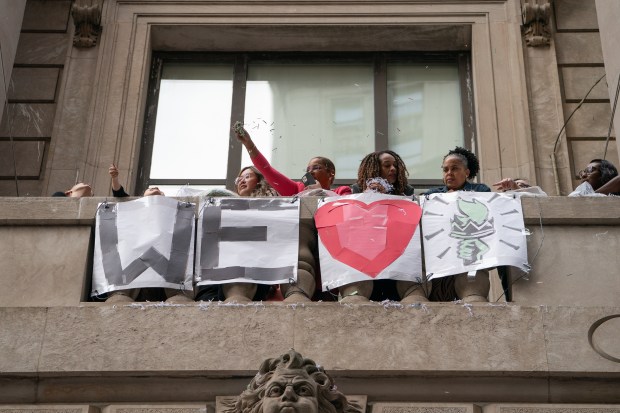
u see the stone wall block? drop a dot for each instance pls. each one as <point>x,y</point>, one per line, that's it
<point>34,83</point>
<point>567,332</point>
<point>28,120</point>
<point>361,337</point>
<point>557,278</point>
<point>551,408</point>
<point>155,408</point>
<point>578,47</point>
<point>29,157</point>
<point>160,338</point>
<point>590,120</point>
<point>50,408</point>
<point>21,339</point>
<point>575,15</point>
<point>47,267</point>
<point>424,408</point>
<point>42,48</point>
<point>577,81</point>
<point>45,15</point>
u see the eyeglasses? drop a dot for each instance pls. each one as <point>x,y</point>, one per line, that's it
<point>243,177</point>
<point>314,168</point>
<point>588,171</point>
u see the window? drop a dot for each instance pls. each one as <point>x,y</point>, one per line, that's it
<point>297,106</point>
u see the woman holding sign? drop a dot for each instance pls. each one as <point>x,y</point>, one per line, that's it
<point>320,170</point>
<point>459,167</point>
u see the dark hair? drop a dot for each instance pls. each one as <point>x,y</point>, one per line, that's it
<point>608,170</point>
<point>370,167</point>
<point>468,158</point>
<point>262,186</point>
<point>59,193</point>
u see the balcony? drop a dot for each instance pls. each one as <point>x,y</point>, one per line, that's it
<point>556,342</point>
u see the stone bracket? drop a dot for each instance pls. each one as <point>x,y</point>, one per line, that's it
<point>536,15</point>
<point>87,20</point>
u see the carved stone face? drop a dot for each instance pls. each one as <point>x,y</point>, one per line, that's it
<point>291,391</point>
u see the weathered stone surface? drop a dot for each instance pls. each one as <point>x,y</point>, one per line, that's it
<point>28,155</point>
<point>55,408</point>
<point>410,333</point>
<point>44,266</point>
<point>160,338</point>
<point>28,120</point>
<point>564,271</point>
<point>34,83</point>
<point>155,408</point>
<point>42,48</point>
<point>577,81</point>
<point>578,47</point>
<point>575,15</point>
<point>21,339</point>
<point>551,408</point>
<point>590,120</point>
<point>424,408</point>
<point>567,333</point>
<point>44,15</point>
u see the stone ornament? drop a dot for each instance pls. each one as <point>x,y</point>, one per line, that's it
<point>536,15</point>
<point>290,384</point>
<point>87,20</point>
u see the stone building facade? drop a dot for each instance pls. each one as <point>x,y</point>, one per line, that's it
<point>75,100</point>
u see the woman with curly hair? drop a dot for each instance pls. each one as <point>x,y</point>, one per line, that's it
<point>382,164</point>
<point>602,175</point>
<point>459,166</point>
<point>250,182</point>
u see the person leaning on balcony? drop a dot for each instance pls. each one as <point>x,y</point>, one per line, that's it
<point>148,294</point>
<point>251,183</point>
<point>78,190</point>
<point>459,166</point>
<point>321,168</point>
<point>603,176</point>
<point>384,172</point>
<point>382,164</point>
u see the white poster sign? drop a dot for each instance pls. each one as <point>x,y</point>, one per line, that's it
<point>368,236</point>
<point>466,231</point>
<point>252,240</point>
<point>148,242</point>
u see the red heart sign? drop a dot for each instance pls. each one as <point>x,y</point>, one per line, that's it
<point>367,237</point>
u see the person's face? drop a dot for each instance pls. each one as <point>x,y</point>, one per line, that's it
<point>389,168</point>
<point>153,191</point>
<point>592,175</point>
<point>454,173</point>
<point>80,190</point>
<point>320,172</point>
<point>246,182</point>
<point>290,393</point>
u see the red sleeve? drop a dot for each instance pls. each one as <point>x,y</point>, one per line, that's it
<point>279,182</point>
<point>343,190</point>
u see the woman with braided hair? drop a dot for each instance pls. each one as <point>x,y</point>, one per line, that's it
<point>387,165</point>
<point>459,166</point>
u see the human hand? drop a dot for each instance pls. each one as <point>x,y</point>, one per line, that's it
<point>506,184</point>
<point>375,187</point>
<point>113,171</point>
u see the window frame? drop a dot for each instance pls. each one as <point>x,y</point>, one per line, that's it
<point>240,62</point>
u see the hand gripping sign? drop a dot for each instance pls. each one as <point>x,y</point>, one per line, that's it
<point>252,240</point>
<point>468,231</point>
<point>148,242</point>
<point>368,236</point>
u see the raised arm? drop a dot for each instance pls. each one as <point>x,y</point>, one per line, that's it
<point>281,183</point>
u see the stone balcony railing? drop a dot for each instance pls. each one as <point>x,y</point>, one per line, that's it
<point>556,342</point>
